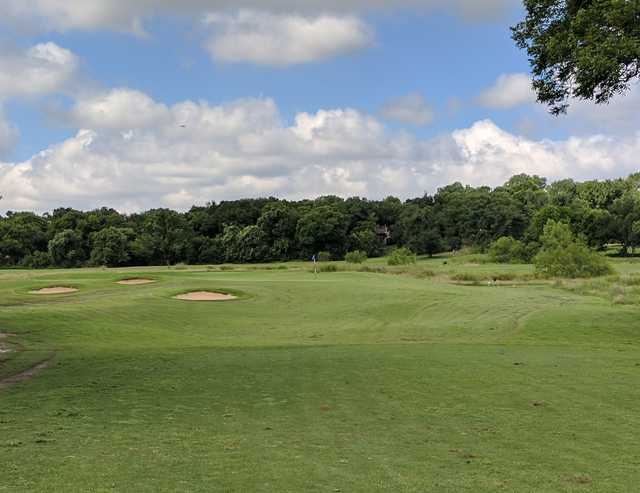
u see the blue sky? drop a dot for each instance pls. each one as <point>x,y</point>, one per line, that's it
<point>418,86</point>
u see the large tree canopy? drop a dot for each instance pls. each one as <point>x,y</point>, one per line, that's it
<point>584,49</point>
<point>263,230</point>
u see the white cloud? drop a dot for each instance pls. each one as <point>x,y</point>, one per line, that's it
<point>621,115</point>
<point>42,69</point>
<point>280,40</point>
<point>118,109</point>
<point>411,109</point>
<point>509,91</point>
<point>243,149</point>
<point>8,135</point>
<point>127,15</point>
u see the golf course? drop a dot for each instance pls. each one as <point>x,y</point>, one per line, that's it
<point>438,377</point>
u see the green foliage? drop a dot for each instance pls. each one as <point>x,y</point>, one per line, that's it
<point>356,257</point>
<point>581,49</point>
<point>111,247</point>
<point>456,218</point>
<point>401,256</point>
<point>365,240</point>
<point>323,227</point>
<point>508,250</point>
<point>626,216</point>
<point>323,257</point>
<point>564,255</point>
<point>37,260</point>
<point>65,249</point>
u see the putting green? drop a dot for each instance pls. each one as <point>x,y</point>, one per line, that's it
<point>341,382</point>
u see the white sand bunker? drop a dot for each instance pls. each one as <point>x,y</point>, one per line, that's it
<point>54,290</point>
<point>205,296</point>
<point>136,282</point>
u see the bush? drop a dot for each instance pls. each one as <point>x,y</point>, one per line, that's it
<point>328,268</point>
<point>357,257</point>
<point>508,250</point>
<point>564,255</point>
<point>324,257</point>
<point>402,256</point>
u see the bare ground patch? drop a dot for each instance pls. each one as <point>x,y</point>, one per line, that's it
<point>136,281</point>
<point>205,296</point>
<point>54,290</point>
<point>27,374</point>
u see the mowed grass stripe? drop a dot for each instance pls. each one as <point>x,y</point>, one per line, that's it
<point>350,382</point>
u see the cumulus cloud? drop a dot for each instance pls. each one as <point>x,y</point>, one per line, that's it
<point>128,15</point>
<point>620,115</point>
<point>411,109</point>
<point>193,152</point>
<point>117,109</point>
<point>509,91</point>
<point>43,68</point>
<point>270,39</point>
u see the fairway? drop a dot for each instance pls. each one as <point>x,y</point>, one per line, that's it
<point>340,382</point>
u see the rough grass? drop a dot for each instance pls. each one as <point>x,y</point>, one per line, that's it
<point>348,381</point>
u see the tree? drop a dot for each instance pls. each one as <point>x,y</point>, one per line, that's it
<point>111,246</point>
<point>585,49</point>
<point>164,237</point>
<point>564,255</point>
<point>322,228</point>
<point>626,213</point>
<point>66,249</point>
<point>278,225</point>
<point>22,234</point>
<point>365,239</point>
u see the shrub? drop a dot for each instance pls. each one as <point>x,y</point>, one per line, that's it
<point>357,257</point>
<point>507,250</point>
<point>324,257</point>
<point>402,256</point>
<point>328,268</point>
<point>468,277</point>
<point>564,255</point>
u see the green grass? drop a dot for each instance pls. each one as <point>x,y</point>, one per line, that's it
<point>345,381</point>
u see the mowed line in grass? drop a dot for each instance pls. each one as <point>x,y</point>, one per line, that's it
<point>361,382</point>
<point>359,418</point>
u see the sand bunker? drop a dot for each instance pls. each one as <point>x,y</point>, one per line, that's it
<point>54,290</point>
<point>205,296</point>
<point>136,282</point>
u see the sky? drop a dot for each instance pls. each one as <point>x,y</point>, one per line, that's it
<point>136,104</point>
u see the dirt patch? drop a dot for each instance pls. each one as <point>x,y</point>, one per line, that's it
<point>4,348</point>
<point>54,290</point>
<point>136,282</point>
<point>25,375</point>
<point>205,296</point>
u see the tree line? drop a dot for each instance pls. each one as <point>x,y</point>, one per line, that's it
<point>265,230</point>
